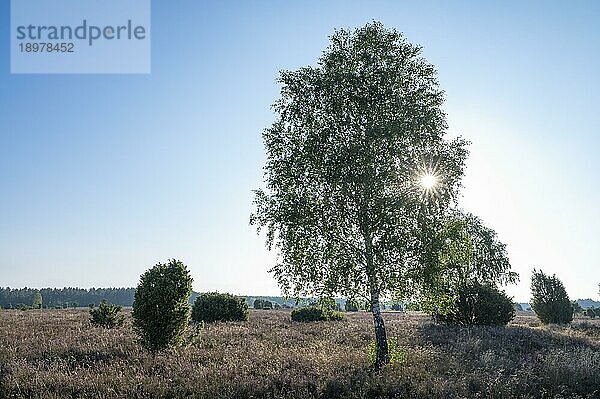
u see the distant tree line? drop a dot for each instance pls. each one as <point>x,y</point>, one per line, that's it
<point>64,297</point>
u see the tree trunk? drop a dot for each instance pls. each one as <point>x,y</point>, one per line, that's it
<point>381,344</point>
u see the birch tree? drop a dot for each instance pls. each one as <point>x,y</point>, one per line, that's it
<point>358,174</point>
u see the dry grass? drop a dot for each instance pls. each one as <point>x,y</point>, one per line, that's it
<point>58,354</point>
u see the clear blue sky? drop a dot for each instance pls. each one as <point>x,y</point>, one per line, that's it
<point>101,176</point>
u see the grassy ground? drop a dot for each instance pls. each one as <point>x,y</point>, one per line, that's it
<point>57,354</point>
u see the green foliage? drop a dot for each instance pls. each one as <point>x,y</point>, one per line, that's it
<point>479,304</point>
<point>267,305</point>
<point>592,312</point>
<point>313,313</point>
<point>258,303</point>
<point>577,309</point>
<point>462,253</point>
<point>36,303</point>
<point>59,298</point>
<point>550,301</point>
<point>106,315</point>
<point>397,353</point>
<point>396,306</point>
<point>214,306</point>
<point>327,303</point>
<point>354,135</point>
<point>351,305</point>
<point>161,311</point>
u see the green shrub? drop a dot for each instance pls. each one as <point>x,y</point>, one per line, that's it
<point>161,311</point>
<point>351,306</point>
<point>479,304</point>
<point>313,313</point>
<point>213,306</point>
<point>258,303</point>
<point>106,315</point>
<point>396,306</point>
<point>267,305</point>
<point>550,301</point>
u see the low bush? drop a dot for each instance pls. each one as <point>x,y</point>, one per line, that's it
<point>214,306</point>
<point>313,313</point>
<point>267,305</point>
<point>479,304</point>
<point>106,315</point>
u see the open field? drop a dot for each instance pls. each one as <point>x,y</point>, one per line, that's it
<point>58,354</point>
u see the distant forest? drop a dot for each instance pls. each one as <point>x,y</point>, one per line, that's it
<point>69,297</point>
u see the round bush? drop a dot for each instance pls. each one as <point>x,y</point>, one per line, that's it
<point>550,301</point>
<point>479,304</point>
<point>161,311</point>
<point>106,315</point>
<point>213,306</point>
<point>313,313</point>
<point>258,303</point>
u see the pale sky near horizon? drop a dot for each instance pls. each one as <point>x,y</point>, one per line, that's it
<point>101,176</point>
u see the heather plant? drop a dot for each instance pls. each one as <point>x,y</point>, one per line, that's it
<point>214,306</point>
<point>550,301</point>
<point>161,311</point>
<point>106,315</point>
<point>479,304</point>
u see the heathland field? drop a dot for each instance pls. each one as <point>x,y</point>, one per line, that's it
<point>58,354</point>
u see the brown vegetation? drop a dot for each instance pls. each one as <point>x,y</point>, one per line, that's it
<point>58,354</point>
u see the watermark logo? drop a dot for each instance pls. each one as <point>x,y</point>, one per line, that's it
<point>80,36</point>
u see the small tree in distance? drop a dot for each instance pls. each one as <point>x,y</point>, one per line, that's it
<point>161,311</point>
<point>37,300</point>
<point>550,301</point>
